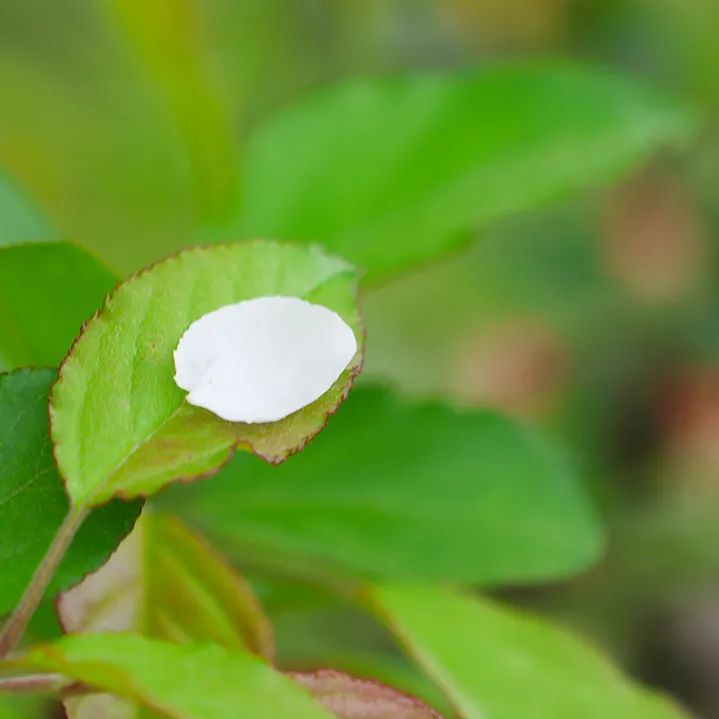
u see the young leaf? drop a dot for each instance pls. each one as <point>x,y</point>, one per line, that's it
<point>120,424</point>
<point>350,698</point>
<point>401,490</point>
<point>47,291</point>
<point>390,172</point>
<point>178,681</point>
<point>494,662</point>
<point>20,221</point>
<point>165,582</point>
<point>33,502</point>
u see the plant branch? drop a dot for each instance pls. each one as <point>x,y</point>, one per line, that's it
<point>33,683</point>
<point>15,627</point>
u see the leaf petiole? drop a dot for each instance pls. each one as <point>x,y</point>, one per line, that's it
<point>15,627</point>
<point>33,683</point>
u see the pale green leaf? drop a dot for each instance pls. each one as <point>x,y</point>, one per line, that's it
<point>497,663</point>
<point>394,489</point>
<point>47,291</point>
<point>177,681</point>
<point>165,582</point>
<point>390,172</point>
<point>33,502</point>
<point>120,424</point>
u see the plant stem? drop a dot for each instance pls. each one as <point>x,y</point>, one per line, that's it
<point>15,627</point>
<point>33,683</point>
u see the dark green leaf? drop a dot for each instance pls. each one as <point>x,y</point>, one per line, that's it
<point>398,490</point>
<point>33,502</point>
<point>390,172</point>
<point>47,291</point>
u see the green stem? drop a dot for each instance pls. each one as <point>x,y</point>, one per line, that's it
<point>15,627</point>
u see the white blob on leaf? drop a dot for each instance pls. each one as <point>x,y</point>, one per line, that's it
<point>263,359</point>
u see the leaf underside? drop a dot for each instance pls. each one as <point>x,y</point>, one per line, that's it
<point>351,698</point>
<point>166,582</point>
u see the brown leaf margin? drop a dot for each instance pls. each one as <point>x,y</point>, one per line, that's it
<point>240,444</point>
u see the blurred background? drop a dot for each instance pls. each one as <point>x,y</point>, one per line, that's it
<point>595,318</point>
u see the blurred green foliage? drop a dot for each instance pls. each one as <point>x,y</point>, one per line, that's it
<point>125,126</point>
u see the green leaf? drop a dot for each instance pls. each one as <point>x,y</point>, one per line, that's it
<point>6,709</point>
<point>20,221</point>
<point>391,172</point>
<point>33,502</point>
<point>47,291</point>
<point>23,706</point>
<point>178,681</point>
<point>165,582</point>
<point>164,38</point>
<point>398,490</point>
<point>120,424</point>
<point>351,698</point>
<point>496,663</point>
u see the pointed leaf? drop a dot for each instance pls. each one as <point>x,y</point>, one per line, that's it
<point>390,172</point>
<point>496,663</point>
<point>400,490</point>
<point>120,424</point>
<point>351,698</point>
<point>33,502</point>
<point>47,291</point>
<point>178,681</point>
<point>165,582</point>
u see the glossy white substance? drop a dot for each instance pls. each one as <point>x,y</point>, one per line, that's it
<point>262,359</point>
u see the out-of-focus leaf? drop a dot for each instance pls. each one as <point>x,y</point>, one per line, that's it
<point>165,582</point>
<point>7,711</point>
<point>120,424</point>
<point>23,706</point>
<point>495,663</point>
<point>20,221</point>
<point>33,502</point>
<point>47,291</point>
<point>397,490</point>
<point>167,40</point>
<point>395,171</point>
<point>350,698</point>
<point>316,628</point>
<point>177,681</point>
<point>105,706</point>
